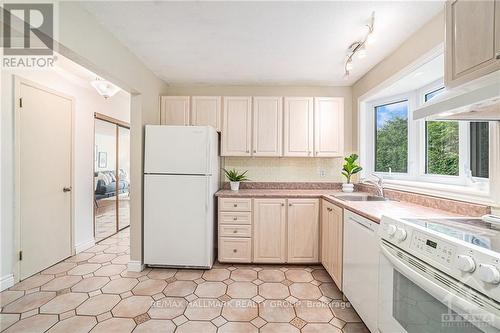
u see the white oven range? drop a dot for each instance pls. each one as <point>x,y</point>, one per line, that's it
<point>439,275</point>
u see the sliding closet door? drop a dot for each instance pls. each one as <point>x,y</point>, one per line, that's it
<point>105,179</point>
<point>124,177</point>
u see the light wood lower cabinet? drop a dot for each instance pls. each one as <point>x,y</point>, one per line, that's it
<point>235,249</point>
<point>235,230</point>
<point>269,230</point>
<point>303,230</point>
<point>332,240</point>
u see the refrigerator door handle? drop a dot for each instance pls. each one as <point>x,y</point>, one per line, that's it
<point>207,193</point>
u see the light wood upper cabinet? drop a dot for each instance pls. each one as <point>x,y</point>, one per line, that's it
<point>174,110</point>
<point>267,126</point>
<point>206,111</point>
<point>237,126</point>
<point>328,126</point>
<point>332,240</point>
<point>298,126</point>
<point>269,235</point>
<point>472,40</point>
<point>303,230</point>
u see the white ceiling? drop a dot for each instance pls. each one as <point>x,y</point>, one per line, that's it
<point>233,42</point>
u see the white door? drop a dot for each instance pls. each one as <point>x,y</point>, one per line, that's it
<point>44,142</point>
<point>267,126</point>
<point>237,126</point>
<point>298,115</point>
<point>328,127</point>
<point>175,110</point>
<point>178,228</point>
<point>206,111</point>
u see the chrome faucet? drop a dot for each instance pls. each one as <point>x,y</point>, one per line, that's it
<point>379,184</point>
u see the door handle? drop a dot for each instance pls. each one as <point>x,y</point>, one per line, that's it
<point>67,189</point>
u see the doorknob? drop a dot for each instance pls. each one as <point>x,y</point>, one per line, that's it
<point>67,189</point>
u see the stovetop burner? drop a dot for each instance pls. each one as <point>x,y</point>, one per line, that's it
<point>471,230</point>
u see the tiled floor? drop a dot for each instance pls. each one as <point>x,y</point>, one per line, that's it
<point>92,291</point>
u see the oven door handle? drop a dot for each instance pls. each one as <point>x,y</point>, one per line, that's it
<point>454,301</point>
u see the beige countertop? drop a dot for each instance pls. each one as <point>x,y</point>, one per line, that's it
<point>372,210</point>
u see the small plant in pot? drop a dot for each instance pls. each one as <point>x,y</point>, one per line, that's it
<point>235,177</point>
<point>349,169</point>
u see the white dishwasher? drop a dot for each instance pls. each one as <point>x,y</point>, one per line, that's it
<point>361,266</point>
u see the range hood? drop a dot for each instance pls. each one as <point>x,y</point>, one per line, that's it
<point>478,100</point>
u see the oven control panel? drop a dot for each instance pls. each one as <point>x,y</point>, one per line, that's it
<point>472,265</point>
<point>435,249</point>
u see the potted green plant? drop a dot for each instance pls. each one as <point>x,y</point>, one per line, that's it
<point>349,169</point>
<point>235,177</point>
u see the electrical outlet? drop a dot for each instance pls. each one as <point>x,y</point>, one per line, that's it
<point>322,173</point>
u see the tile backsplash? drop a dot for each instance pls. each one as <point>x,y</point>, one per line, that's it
<point>287,169</point>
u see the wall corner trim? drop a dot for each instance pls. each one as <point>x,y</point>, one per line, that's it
<point>80,247</point>
<point>135,266</point>
<point>6,281</point>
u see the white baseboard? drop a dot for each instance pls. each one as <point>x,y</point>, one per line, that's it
<point>135,266</point>
<point>84,245</point>
<point>6,281</point>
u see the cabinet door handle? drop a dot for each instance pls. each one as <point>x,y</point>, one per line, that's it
<point>255,151</point>
<point>235,218</point>
<point>235,231</point>
<point>329,209</point>
<point>234,250</point>
<point>235,205</point>
<point>289,204</point>
<point>282,204</point>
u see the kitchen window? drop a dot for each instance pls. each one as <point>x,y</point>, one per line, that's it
<point>441,143</point>
<point>391,137</point>
<point>432,157</point>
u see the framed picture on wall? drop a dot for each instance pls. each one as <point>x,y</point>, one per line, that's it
<point>103,159</point>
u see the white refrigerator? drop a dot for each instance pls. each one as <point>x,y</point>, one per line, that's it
<point>181,176</point>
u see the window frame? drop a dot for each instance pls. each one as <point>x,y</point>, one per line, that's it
<point>480,190</point>
<point>375,130</point>
<point>369,159</point>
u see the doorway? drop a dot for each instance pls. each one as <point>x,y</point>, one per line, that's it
<point>44,135</point>
<point>111,176</point>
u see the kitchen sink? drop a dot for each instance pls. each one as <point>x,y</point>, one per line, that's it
<point>361,198</point>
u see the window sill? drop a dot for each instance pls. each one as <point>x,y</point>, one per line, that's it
<point>454,192</point>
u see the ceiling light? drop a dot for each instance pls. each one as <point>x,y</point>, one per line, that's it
<point>370,39</point>
<point>348,65</point>
<point>358,48</point>
<point>104,88</point>
<point>361,52</point>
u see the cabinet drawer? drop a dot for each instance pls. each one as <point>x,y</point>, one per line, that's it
<point>231,230</point>
<point>235,249</point>
<point>235,218</point>
<point>235,204</point>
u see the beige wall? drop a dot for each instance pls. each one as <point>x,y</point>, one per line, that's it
<point>426,39</point>
<point>86,42</point>
<point>271,169</point>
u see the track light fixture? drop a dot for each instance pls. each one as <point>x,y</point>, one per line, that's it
<point>358,48</point>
